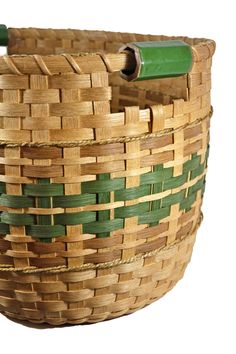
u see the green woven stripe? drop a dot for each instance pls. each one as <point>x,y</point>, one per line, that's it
<point>3,35</point>
<point>2,187</point>
<point>187,202</point>
<point>196,186</point>
<point>46,231</point>
<point>17,219</point>
<point>119,183</point>
<point>103,186</point>
<point>191,164</point>
<point>4,229</point>
<point>131,210</point>
<point>46,195</point>
<point>156,176</point>
<point>16,201</point>
<point>98,227</point>
<point>75,218</point>
<point>201,167</point>
<point>103,198</point>
<point>38,190</point>
<point>192,194</point>
<point>61,219</point>
<point>154,216</point>
<point>72,201</point>
<point>174,198</point>
<point>159,175</point>
<point>175,182</point>
<point>132,193</point>
<point>198,171</point>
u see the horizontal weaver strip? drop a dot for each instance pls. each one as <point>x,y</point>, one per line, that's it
<point>89,221</point>
<point>105,141</point>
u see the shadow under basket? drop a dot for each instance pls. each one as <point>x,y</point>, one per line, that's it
<point>104,140</point>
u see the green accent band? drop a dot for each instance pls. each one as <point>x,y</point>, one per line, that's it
<point>3,36</point>
<point>17,219</point>
<point>46,195</point>
<point>198,171</point>
<point>61,219</point>
<point>99,227</point>
<point>175,182</point>
<point>73,201</point>
<point>196,187</point>
<point>159,175</point>
<point>16,201</point>
<point>132,193</point>
<point>4,229</point>
<point>153,217</point>
<point>174,198</point>
<point>103,186</point>
<point>131,210</point>
<point>82,217</point>
<point>192,164</point>
<point>2,187</point>
<point>187,202</point>
<point>160,59</point>
<point>46,232</point>
<point>49,190</point>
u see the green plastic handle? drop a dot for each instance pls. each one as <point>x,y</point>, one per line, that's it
<point>158,60</point>
<point>3,36</point>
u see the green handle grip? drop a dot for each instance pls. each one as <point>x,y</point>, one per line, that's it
<point>3,36</point>
<point>158,60</point>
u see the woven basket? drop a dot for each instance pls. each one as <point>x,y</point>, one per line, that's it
<point>101,178</point>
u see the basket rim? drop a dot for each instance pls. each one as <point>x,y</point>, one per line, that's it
<point>110,62</point>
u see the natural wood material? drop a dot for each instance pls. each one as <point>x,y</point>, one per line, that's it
<point>101,180</point>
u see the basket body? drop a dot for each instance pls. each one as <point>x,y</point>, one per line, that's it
<point>101,180</point>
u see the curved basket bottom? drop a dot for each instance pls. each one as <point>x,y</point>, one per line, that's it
<point>90,296</point>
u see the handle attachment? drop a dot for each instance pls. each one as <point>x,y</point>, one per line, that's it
<point>147,60</point>
<point>158,60</point>
<point>3,36</point>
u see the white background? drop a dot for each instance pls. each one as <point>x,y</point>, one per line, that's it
<point>198,315</point>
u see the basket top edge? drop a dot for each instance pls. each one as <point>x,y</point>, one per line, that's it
<point>83,34</point>
<point>105,56</point>
<point>60,32</point>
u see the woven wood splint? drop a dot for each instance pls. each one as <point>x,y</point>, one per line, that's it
<point>101,179</point>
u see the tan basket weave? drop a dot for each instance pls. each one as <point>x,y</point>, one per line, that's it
<point>101,179</point>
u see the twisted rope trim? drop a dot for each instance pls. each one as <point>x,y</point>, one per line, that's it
<point>105,141</point>
<point>116,262</point>
<point>40,62</point>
